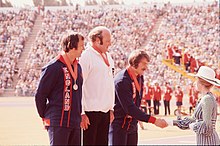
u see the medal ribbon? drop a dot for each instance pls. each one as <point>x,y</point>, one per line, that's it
<point>136,86</point>
<point>67,61</point>
<point>134,78</point>
<point>105,58</point>
<point>64,58</point>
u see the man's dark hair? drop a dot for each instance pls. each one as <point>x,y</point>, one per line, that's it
<point>71,41</point>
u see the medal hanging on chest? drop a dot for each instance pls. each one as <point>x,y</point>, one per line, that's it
<point>73,73</point>
<point>75,86</point>
<point>134,78</point>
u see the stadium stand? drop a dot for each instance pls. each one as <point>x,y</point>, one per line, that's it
<point>133,27</point>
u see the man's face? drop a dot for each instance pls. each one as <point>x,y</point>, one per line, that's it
<point>79,49</point>
<point>142,66</point>
<point>106,40</point>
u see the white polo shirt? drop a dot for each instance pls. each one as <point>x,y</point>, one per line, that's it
<point>98,83</point>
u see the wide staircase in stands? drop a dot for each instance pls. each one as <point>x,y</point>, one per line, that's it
<point>37,26</point>
<point>155,28</point>
<point>24,55</point>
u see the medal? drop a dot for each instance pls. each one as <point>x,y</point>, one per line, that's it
<point>75,86</point>
<point>73,73</point>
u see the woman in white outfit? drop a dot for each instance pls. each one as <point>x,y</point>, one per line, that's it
<point>203,121</point>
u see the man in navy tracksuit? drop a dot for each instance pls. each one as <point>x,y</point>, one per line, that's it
<point>59,93</point>
<point>128,93</point>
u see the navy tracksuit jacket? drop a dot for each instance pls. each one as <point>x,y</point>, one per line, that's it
<point>126,109</point>
<point>56,101</point>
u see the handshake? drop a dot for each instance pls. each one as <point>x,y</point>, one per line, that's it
<point>161,123</point>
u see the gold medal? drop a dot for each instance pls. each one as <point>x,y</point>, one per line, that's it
<point>75,86</point>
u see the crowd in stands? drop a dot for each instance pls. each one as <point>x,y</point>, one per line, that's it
<point>183,29</point>
<point>195,30</point>
<point>191,30</point>
<point>129,32</point>
<point>15,27</point>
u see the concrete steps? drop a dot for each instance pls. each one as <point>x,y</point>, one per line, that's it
<point>29,42</point>
<point>24,55</point>
<point>155,28</point>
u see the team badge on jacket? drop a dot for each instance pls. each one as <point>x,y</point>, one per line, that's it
<point>67,87</point>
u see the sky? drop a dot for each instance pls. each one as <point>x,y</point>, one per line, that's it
<point>21,3</point>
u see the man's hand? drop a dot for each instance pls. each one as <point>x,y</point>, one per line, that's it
<point>161,123</point>
<point>85,122</point>
<point>111,116</point>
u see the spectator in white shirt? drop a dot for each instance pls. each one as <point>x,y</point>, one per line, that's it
<point>98,88</point>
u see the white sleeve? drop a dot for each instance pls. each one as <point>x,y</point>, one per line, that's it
<point>169,122</point>
<point>112,65</point>
<point>84,61</point>
<point>191,126</point>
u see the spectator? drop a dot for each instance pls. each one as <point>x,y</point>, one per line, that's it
<point>167,98</point>
<point>179,100</point>
<point>157,97</point>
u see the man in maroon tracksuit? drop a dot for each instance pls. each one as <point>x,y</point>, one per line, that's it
<point>167,98</point>
<point>179,100</point>
<point>193,98</point>
<point>149,96</point>
<point>157,97</point>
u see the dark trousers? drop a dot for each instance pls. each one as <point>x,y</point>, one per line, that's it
<point>187,66</point>
<point>156,107</point>
<point>64,136</point>
<point>167,107</point>
<point>97,132</point>
<point>120,136</point>
<point>149,105</point>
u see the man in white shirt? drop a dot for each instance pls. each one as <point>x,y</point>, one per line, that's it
<point>98,88</point>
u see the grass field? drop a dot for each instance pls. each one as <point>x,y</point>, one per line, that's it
<point>21,125</point>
